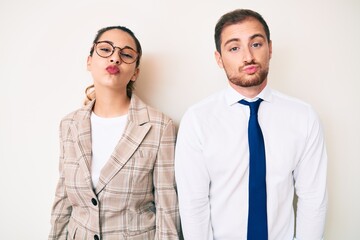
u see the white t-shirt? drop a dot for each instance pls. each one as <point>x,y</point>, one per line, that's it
<point>105,135</point>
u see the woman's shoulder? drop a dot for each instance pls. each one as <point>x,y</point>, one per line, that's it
<point>78,114</point>
<point>140,110</point>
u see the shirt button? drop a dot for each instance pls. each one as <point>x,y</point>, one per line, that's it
<point>96,237</point>
<point>94,202</point>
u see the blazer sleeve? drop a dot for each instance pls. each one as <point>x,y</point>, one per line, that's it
<point>61,209</point>
<point>166,201</point>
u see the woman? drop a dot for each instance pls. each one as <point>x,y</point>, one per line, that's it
<point>116,156</point>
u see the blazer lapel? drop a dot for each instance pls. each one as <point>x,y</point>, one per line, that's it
<point>82,137</point>
<point>135,131</point>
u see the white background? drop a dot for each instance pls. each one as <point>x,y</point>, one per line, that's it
<point>43,51</point>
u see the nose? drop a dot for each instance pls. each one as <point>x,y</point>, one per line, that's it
<point>247,55</point>
<point>115,57</point>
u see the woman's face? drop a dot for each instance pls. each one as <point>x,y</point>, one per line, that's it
<point>112,72</point>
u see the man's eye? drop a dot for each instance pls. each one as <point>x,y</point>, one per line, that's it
<point>256,45</point>
<point>234,49</point>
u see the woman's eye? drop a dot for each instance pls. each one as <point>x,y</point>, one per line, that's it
<point>105,50</point>
<point>124,55</point>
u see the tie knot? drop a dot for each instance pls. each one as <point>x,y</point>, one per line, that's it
<point>254,106</point>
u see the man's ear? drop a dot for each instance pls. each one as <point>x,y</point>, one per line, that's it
<point>219,59</point>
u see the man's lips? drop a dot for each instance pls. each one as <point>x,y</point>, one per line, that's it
<point>112,69</point>
<point>250,69</point>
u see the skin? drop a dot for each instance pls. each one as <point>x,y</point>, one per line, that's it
<point>111,98</point>
<point>245,56</point>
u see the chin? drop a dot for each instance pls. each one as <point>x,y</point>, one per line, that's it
<point>247,81</point>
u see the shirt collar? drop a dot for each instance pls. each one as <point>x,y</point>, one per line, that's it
<point>233,97</point>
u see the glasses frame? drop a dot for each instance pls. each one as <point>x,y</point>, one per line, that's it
<point>119,53</point>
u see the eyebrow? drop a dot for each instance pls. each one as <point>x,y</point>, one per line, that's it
<point>126,46</point>
<point>238,39</point>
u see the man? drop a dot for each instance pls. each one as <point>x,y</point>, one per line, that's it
<point>230,189</point>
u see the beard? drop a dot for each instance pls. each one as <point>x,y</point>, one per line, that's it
<point>242,79</point>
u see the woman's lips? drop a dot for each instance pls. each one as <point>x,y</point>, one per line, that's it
<point>112,69</point>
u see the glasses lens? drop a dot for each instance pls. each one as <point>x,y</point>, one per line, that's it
<point>128,55</point>
<point>104,49</point>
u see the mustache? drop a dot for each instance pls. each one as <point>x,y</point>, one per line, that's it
<point>248,64</point>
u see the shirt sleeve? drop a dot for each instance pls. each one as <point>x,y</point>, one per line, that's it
<point>310,184</point>
<point>61,209</point>
<point>193,181</point>
<point>166,201</point>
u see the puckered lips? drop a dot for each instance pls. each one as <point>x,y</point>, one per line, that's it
<point>251,69</point>
<point>112,69</point>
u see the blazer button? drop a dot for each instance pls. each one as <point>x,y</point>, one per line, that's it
<point>94,202</point>
<point>96,237</point>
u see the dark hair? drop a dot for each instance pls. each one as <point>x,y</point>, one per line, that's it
<point>237,16</point>
<point>89,91</point>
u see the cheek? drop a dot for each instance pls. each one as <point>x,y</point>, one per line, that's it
<point>97,72</point>
<point>231,63</point>
<point>266,60</point>
<point>128,70</point>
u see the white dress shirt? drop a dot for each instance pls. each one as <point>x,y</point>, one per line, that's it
<point>212,167</point>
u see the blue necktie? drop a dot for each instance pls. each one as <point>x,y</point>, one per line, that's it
<point>257,218</point>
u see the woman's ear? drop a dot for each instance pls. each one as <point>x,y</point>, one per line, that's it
<point>88,63</point>
<point>135,75</point>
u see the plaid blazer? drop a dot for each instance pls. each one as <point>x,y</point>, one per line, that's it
<point>135,198</point>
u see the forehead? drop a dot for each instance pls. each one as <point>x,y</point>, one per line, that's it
<point>118,37</point>
<point>242,30</point>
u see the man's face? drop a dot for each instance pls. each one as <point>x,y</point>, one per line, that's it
<point>245,54</point>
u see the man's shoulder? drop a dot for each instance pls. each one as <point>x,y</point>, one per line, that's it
<point>292,105</point>
<point>204,110</point>
<point>209,102</point>
<point>283,98</point>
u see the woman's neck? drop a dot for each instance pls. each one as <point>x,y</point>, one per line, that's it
<point>111,105</point>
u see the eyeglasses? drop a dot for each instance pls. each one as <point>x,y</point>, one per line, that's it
<point>105,49</point>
